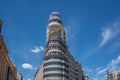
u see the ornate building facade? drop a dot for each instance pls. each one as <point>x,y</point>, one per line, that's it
<point>58,63</point>
<point>7,68</point>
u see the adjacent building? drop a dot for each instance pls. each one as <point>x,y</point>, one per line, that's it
<point>58,63</point>
<point>19,76</point>
<point>114,75</point>
<point>86,78</point>
<point>7,68</point>
<point>39,73</point>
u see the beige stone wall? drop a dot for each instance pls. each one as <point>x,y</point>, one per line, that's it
<point>5,63</point>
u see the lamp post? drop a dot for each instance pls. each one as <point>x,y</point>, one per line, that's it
<point>107,74</point>
<point>0,26</point>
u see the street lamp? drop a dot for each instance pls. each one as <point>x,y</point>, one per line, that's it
<point>0,26</point>
<point>107,74</point>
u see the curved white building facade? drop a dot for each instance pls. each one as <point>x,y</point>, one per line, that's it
<point>58,63</point>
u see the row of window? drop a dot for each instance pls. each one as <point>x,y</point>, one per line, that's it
<point>56,34</point>
<point>56,75</point>
<point>55,20</point>
<point>56,47</point>
<point>53,27</point>
<point>74,70</point>
<point>61,58</point>
<point>75,77</point>
<point>56,41</point>
<point>54,57</point>
<point>56,63</point>
<point>54,53</point>
<point>56,69</point>
<point>74,73</point>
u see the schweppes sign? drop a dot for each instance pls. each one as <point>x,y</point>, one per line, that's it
<point>55,30</point>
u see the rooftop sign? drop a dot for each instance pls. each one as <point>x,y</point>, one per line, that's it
<point>55,14</point>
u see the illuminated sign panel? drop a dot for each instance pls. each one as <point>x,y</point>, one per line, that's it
<point>55,30</point>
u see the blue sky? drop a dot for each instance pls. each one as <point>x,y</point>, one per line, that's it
<point>92,27</point>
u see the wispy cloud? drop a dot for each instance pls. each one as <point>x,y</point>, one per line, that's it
<point>87,70</point>
<point>27,66</point>
<point>91,73</point>
<point>100,72</point>
<point>114,64</point>
<point>37,49</point>
<point>72,27</point>
<point>29,79</point>
<point>110,32</point>
<point>106,34</point>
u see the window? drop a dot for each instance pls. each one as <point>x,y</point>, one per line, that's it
<point>56,69</point>
<point>54,53</point>
<point>55,20</point>
<point>56,63</point>
<point>55,75</point>
<point>56,57</point>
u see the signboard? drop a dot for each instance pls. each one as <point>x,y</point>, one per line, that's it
<point>55,30</point>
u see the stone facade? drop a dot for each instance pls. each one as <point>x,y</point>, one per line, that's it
<point>7,68</point>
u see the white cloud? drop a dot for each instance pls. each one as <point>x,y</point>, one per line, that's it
<point>106,34</point>
<point>87,70</point>
<point>27,66</point>
<point>29,79</point>
<point>101,71</point>
<point>114,64</point>
<point>37,49</point>
<point>72,27</point>
<point>109,32</point>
